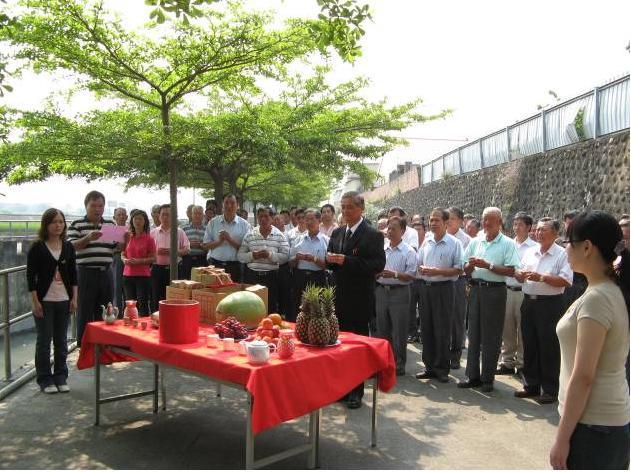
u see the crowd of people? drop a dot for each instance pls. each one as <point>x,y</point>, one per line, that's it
<point>549,309</point>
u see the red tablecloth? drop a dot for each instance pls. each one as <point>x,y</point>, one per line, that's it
<point>282,389</point>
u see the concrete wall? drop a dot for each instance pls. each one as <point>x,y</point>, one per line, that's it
<point>404,183</point>
<point>590,174</point>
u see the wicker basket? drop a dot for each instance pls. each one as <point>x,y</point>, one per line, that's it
<point>208,300</point>
<point>176,293</point>
<point>210,297</point>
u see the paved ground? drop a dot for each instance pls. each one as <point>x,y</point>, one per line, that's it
<point>421,425</point>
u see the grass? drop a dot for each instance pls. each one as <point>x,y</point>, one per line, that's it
<point>18,228</point>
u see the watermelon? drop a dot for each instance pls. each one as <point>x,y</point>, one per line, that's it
<point>246,307</point>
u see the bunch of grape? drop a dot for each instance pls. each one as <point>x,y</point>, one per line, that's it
<point>231,328</point>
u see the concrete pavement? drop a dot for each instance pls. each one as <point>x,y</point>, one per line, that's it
<point>421,425</point>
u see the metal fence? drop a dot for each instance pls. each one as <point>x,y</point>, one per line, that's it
<point>596,113</point>
<point>16,376</point>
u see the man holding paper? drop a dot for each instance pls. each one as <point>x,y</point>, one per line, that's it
<point>94,259</point>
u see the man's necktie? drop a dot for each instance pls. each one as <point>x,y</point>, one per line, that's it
<point>347,238</point>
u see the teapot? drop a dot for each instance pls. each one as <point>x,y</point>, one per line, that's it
<point>109,314</point>
<point>258,351</point>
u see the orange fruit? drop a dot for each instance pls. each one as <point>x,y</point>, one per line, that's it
<point>267,323</point>
<point>276,318</point>
<point>267,333</point>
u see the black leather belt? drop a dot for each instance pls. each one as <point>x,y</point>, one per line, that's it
<point>217,262</point>
<point>484,283</point>
<point>539,297</point>
<point>99,268</point>
<point>513,288</point>
<point>263,273</point>
<point>311,272</point>
<point>391,287</point>
<point>162,267</point>
<point>429,283</point>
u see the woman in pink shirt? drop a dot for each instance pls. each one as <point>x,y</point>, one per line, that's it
<point>139,254</point>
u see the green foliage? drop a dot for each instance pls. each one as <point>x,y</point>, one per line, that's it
<point>579,124</point>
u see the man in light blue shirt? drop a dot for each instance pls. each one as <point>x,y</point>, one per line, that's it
<point>440,264</point>
<point>489,259</point>
<point>223,237</point>
<point>307,257</point>
<point>392,294</point>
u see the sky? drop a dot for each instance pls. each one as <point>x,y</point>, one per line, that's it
<point>491,62</point>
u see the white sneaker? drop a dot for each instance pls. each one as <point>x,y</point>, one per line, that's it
<point>50,389</point>
<point>63,388</point>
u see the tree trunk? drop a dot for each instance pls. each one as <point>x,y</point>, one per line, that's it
<point>218,187</point>
<point>172,162</point>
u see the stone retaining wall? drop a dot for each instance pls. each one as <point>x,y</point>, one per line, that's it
<point>590,174</point>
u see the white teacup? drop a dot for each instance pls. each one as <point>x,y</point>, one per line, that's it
<point>228,344</point>
<point>212,340</point>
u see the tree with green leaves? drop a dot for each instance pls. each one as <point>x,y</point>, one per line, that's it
<point>267,149</point>
<point>224,47</point>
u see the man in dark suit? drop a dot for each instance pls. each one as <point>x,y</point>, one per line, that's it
<point>356,255</point>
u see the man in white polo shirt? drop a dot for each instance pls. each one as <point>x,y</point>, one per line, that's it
<point>545,272</point>
<point>512,354</point>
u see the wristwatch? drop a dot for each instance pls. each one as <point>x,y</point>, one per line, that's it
<point>396,274</point>
<point>491,266</point>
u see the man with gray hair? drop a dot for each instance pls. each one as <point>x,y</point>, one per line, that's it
<point>489,259</point>
<point>545,273</point>
<point>195,231</point>
<point>356,255</point>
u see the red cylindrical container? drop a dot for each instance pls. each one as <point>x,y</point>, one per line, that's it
<point>179,321</point>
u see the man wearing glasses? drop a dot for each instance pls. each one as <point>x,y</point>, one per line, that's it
<point>545,273</point>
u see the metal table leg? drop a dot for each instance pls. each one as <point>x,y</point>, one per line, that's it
<point>218,389</point>
<point>163,387</point>
<point>373,431</point>
<point>314,439</point>
<point>249,436</point>
<point>97,383</point>
<point>156,389</point>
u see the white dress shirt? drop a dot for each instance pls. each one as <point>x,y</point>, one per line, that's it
<point>411,237</point>
<point>521,250</point>
<point>552,262</point>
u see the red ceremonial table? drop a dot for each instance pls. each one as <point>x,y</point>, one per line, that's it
<point>281,390</point>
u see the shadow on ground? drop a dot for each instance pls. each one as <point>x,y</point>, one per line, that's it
<point>421,424</point>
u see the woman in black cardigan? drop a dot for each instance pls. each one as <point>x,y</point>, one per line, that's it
<point>51,272</point>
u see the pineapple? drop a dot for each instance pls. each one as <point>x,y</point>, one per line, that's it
<point>308,308</point>
<point>319,331</point>
<point>328,309</point>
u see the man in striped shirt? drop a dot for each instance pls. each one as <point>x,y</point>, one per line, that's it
<point>194,231</point>
<point>94,259</point>
<point>263,249</point>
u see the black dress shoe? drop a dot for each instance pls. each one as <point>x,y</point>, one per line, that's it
<point>354,403</point>
<point>425,375</point>
<point>442,379</point>
<point>526,393</point>
<point>503,370</point>
<point>469,383</point>
<point>486,387</point>
<point>546,398</point>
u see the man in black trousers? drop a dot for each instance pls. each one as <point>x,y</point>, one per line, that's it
<point>355,254</point>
